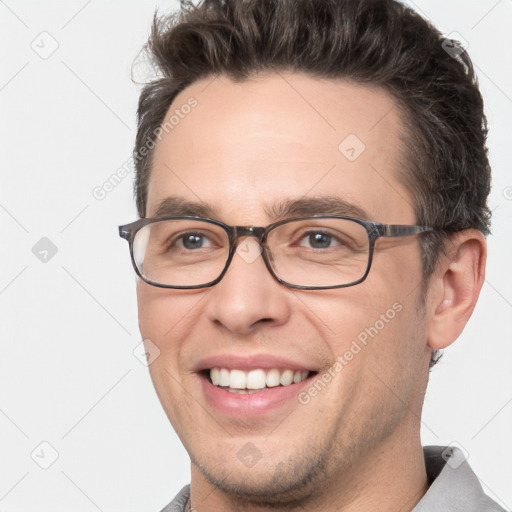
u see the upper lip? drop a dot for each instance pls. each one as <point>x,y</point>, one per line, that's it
<point>250,362</point>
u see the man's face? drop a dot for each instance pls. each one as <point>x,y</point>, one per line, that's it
<point>242,149</point>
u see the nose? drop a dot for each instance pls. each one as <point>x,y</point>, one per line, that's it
<point>248,296</point>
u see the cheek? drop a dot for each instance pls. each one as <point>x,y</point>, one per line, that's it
<point>373,327</point>
<point>382,370</point>
<point>165,319</point>
<point>152,310</point>
<point>354,316</point>
<point>165,315</point>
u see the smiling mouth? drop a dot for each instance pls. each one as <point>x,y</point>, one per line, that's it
<point>254,381</point>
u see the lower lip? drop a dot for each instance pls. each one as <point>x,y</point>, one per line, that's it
<point>252,404</point>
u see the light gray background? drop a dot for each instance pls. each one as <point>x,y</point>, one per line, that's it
<point>68,326</point>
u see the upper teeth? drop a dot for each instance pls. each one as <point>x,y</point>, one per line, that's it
<point>255,379</point>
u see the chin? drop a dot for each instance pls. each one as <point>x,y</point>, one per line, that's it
<point>284,483</point>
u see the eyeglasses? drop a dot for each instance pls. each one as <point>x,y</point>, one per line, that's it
<point>316,252</point>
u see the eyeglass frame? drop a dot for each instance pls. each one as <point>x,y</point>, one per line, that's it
<point>373,229</point>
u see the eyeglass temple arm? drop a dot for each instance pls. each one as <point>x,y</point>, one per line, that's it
<point>403,230</point>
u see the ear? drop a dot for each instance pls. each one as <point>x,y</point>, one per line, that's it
<point>455,286</point>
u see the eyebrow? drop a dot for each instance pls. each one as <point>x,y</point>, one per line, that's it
<point>175,206</point>
<point>328,205</point>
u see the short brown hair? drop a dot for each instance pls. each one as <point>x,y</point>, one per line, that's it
<point>375,42</point>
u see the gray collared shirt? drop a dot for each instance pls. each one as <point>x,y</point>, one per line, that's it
<point>453,486</point>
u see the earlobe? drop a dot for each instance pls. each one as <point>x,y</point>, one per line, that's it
<point>455,287</point>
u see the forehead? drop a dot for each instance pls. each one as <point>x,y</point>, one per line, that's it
<point>246,146</point>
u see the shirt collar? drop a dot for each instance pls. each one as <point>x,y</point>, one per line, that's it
<point>453,485</point>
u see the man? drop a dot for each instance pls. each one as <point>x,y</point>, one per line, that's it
<point>312,180</point>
